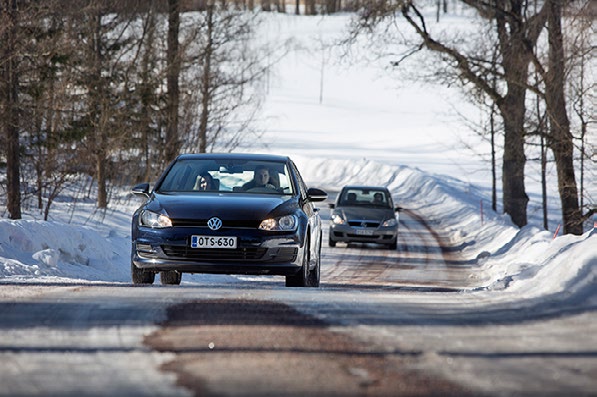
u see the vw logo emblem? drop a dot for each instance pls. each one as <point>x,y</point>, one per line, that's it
<point>363,224</point>
<point>214,223</point>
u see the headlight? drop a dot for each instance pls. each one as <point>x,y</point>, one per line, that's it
<point>283,223</point>
<point>152,219</point>
<point>390,223</point>
<point>337,219</point>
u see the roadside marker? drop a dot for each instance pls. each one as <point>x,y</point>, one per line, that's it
<point>557,231</point>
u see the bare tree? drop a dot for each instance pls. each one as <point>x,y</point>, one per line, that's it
<point>560,137</point>
<point>310,7</point>
<point>102,67</point>
<point>9,30</point>
<point>224,67</point>
<point>51,149</point>
<point>90,85</point>
<point>516,33</point>
<point>206,76</point>
<point>517,25</point>
<point>582,89</point>
<point>173,60</point>
<point>146,100</point>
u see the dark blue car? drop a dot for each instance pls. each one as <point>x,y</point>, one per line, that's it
<point>228,214</point>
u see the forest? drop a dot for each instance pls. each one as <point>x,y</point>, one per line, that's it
<point>109,92</point>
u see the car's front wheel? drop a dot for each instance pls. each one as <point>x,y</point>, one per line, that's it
<point>315,274</point>
<point>141,276</point>
<point>305,277</point>
<point>170,277</point>
<point>331,242</point>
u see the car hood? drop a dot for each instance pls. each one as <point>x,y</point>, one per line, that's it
<point>226,206</point>
<point>363,213</point>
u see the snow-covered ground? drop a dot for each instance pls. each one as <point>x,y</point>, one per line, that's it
<point>367,128</point>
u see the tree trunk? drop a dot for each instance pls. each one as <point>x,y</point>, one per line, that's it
<point>516,40</point>
<point>102,191</point>
<point>206,82</point>
<point>173,60</point>
<point>514,198</point>
<point>493,161</point>
<point>310,7</point>
<point>544,184</point>
<point>561,140</point>
<point>8,67</point>
<point>147,92</point>
<point>99,110</point>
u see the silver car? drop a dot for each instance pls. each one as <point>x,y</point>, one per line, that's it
<point>364,214</point>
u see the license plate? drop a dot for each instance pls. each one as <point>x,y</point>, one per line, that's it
<point>213,242</point>
<point>364,232</point>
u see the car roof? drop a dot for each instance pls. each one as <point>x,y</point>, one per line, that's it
<point>233,156</point>
<point>365,187</point>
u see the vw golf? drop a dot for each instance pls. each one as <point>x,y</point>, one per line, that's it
<point>228,214</point>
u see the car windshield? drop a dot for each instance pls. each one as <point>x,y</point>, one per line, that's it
<point>364,197</point>
<point>222,175</point>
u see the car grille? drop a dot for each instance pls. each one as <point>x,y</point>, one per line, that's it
<point>181,252</point>
<point>251,224</point>
<point>363,238</point>
<point>356,223</point>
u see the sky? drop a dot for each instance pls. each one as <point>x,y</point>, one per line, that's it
<point>341,124</point>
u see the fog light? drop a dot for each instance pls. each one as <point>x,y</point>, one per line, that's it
<point>145,249</point>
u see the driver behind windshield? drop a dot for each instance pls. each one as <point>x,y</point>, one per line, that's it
<point>261,178</point>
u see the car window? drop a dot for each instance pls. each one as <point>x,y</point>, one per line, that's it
<point>299,179</point>
<point>199,175</point>
<point>364,197</point>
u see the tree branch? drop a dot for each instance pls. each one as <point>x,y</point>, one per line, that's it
<point>462,62</point>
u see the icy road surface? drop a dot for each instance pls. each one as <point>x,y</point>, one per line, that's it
<point>410,321</point>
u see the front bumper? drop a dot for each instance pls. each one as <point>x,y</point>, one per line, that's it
<point>257,252</point>
<point>350,234</point>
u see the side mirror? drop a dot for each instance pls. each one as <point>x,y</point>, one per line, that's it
<point>316,194</point>
<point>398,209</point>
<point>141,189</point>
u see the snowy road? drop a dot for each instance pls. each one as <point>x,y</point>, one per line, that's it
<point>383,323</point>
<point>424,261</point>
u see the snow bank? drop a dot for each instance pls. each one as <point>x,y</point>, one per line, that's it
<point>53,250</point>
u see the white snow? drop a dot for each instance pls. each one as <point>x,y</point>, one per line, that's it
<point>369,128</point>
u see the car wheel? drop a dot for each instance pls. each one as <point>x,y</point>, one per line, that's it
<point>315,274</point>
<point>141,276</point>
<point>301,279</point>
<point>392,246</point>
<point>331,242</point>
<point>170,277</point>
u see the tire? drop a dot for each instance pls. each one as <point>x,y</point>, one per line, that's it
<point>301,279</point>
<point>305,277</point>
<point>393,246</point>
<point>170,277</point>
<point>315,274</point>
<point>331,242</point>
<point>141,276</point>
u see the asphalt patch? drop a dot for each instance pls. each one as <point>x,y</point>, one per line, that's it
<point>261,348</point>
